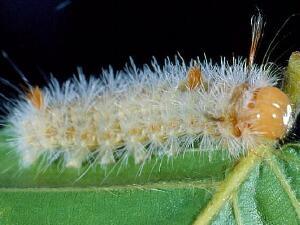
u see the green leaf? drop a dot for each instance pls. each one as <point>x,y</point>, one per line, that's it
<point>292,79</point>
<point>260,188</point>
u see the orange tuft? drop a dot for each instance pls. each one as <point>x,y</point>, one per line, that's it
<point>35,96</point>
<point>194,78</point>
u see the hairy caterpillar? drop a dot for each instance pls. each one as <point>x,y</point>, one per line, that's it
<point>234,105</point>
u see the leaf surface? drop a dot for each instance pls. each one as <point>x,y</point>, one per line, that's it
<point>260,188</point>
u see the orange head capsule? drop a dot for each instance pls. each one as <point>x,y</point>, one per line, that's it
<point>268,113</point>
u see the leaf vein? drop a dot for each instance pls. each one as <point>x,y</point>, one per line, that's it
<point>285,184</point>
<point>236,210</point>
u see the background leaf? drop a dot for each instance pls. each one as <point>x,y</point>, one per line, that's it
<point>165,191</point>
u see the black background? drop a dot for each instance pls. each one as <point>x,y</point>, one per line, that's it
<point>43,37</point>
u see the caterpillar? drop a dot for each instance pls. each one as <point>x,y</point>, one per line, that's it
<point>234,105</point>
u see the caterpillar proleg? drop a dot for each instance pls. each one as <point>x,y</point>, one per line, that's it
<point>233,105</point>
